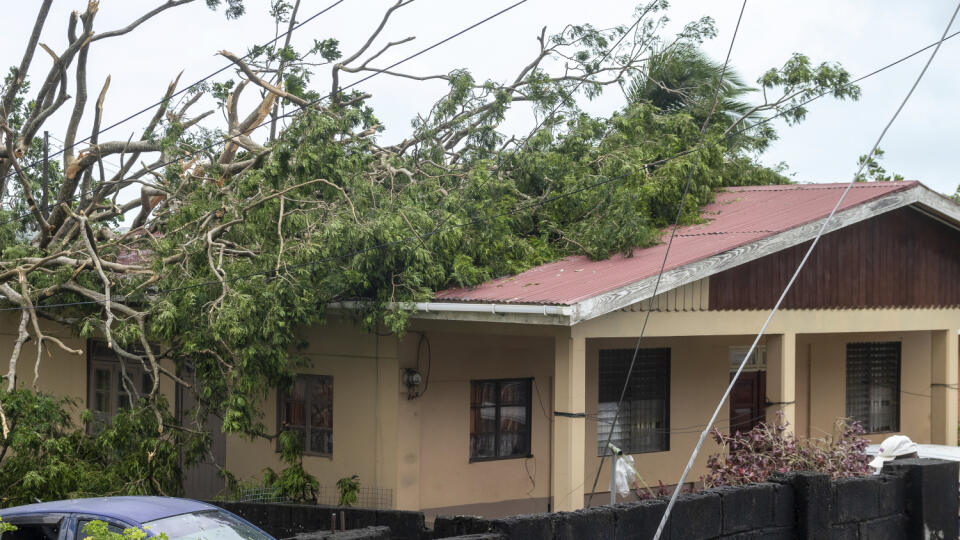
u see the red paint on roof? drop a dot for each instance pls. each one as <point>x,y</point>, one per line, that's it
<point>738,216</point>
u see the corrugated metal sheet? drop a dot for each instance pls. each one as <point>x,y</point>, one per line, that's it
<point>738,216</point>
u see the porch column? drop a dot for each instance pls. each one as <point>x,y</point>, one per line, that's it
<point>569,406</point>
<point>943,389</point>
<point>782,378</point>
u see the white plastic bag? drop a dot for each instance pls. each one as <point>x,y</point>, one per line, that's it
<point>624,474</point>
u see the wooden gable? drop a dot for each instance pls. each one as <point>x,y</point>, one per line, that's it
<point>902,258</point>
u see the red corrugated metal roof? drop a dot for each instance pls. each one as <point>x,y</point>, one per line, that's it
<point>738,216</point>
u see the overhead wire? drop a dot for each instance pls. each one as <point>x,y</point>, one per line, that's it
<point>475,221</point>
<point>803,261</point>
<point>731,135</point>
<point>520,208</point>
<point>673,232</point>
<point>318,100</point>
<point>183,90</point>
<point>314,102</point>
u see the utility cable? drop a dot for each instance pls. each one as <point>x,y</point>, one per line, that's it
<point>315,102</point>
<point>181,91</point>
<point>406,239</point>
<point>673,232</point>
<point>468,223</point>
<point>763,121</point>
<point>793,278</point>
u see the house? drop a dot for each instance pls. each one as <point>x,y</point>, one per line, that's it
<point>499,397</point>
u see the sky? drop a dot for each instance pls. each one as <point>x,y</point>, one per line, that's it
<point>862,35</point>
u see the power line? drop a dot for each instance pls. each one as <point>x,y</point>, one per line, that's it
<point>675,156</point>
<point>673,232</point>
<point>520,208</point>
<point>331,94</point>
<point>476,221</point>
<point>813,245</point>
<point>186,89</point>
<point>411,238</point>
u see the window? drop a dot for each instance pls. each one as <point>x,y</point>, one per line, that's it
<point>34,528</point>
<point>307,409</point>
<point>107,393</point>
<point>757,362</point>
<point>873,385</point>
<point>644,421</point>
<point>499,419</point>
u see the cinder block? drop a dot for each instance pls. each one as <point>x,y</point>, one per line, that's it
<point>403,524</point>
<point>587,524</point>
<point>846,531</point>
<point>639,521</point>
<point>746,508</point>
<point>931,494</point>
<point>446,526</point>
<point>886,528</point>
<point>892,497</point>
<point>784,513</point>
<point>778,533</point>
<point>696,516</point>
<point>524,527</point>
<point>857,499</point>
<point>813,500</point>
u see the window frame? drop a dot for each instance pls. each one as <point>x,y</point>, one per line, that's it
<point>666,438</point>
<point>496,437</point>
<point>101,357</point>
<point>282,394</point>
<point>896,391</point>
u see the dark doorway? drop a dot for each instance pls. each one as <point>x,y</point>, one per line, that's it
<point>748,401</point>
<point>202,480</point>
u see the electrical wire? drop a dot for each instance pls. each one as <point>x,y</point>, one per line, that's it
<point>183,90</point>
<point>468,223</point>
<point>315,102</point>
<point>729,136</point>
<point>673,232</point>
<point>813,245</point>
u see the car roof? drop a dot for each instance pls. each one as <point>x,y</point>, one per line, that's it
<point>131,509</point>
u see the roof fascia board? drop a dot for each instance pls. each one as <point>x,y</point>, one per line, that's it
<point>498,313</point>
<point>939,205</point>
<point>639,291</point>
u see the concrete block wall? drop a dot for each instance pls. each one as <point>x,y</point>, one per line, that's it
<point>914,498</point>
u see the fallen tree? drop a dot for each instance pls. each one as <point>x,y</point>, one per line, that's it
<point>241,234</point>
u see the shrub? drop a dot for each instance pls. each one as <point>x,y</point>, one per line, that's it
<point>349,488</point>
<point>750,457</point>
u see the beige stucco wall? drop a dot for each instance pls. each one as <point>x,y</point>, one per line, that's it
<point>442,416</point>
<point>366,391</point>
<point>699,371</point>
<point>61,373</point>
<point>821,382</point>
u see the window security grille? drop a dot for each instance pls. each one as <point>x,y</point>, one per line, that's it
<point>644,421</point>
<point>873,385</point>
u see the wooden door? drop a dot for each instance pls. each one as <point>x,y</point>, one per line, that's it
<point>748,401</point>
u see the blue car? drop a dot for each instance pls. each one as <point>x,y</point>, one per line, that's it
<point>178,518</point>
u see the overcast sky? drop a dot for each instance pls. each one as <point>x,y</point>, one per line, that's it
<point>861,34</point>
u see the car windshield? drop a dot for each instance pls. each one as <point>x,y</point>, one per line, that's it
<point>205,525</point>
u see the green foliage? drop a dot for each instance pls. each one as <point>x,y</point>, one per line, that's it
<point>5,527</point>
<point>455,204</point>
<point>800,80</point>
<point>235,8</point>
<point>873,171</point>
<point>99,530</point>
<point>47,456</point>
<point>349,488</point>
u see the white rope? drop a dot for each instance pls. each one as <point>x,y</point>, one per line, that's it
<point>823,228</point>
